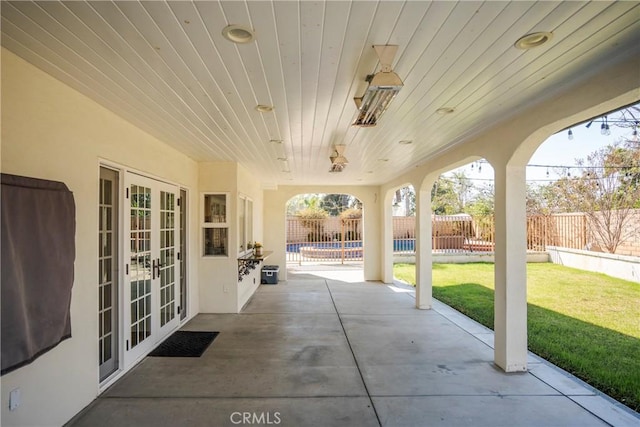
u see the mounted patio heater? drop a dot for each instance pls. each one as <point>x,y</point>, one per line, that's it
<point>383,87</point>
<point>338,160</point>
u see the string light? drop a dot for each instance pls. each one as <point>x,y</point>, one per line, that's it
<point>605,122</point>
<point>604,127</point>
<point>565,167</point>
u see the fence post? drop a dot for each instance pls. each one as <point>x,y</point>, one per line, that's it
<point>342,237</point>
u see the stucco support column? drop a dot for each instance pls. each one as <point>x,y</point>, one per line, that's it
<point>510,315</point>
<point>387,239</point>
<point>424,257</point>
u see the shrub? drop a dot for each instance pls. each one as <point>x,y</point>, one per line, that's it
<point>351,213</point>
<point>309,217</point>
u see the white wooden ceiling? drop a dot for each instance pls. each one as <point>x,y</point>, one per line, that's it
<point>165,67</point>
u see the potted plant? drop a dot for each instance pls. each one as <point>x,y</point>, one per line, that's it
<point>257,249</point>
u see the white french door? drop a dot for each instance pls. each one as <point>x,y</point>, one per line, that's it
<point>152,270</point>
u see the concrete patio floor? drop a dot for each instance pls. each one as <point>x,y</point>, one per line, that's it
<point>317,351</point>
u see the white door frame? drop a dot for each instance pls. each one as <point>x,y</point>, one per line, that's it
<point>143,325</point>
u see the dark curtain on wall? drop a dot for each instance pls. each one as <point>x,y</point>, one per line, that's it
<point>37,255</point>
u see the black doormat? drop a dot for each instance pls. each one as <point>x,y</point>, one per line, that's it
<point>185,344</point>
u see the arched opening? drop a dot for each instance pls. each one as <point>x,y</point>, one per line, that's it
<point>403,217</point>
<point>461,227</point>
<point>324,229</point>
<point>585,182</point>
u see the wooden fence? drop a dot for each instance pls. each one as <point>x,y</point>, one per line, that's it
<point>324,240</point>
<point>335,239</point>
<point>463,233</point>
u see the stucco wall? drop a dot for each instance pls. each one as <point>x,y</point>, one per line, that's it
<point>218,274</point>
<point>52,132</point>
<point>220,290</point>
<point>620,266</point>
<point>252,188</point>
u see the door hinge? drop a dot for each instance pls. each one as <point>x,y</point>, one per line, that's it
<point>126,269</point>
<point>127,196</point>
<point>178,309</point>
<point>179,200</point>
<point>127,345</point>
<point>178,255</point>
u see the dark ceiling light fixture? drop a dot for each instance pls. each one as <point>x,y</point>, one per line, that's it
<point>533,40</point>
<point>383,87</point>
<point>238,34</point>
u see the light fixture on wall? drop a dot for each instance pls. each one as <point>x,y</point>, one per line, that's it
<point>338,160</point>
<point>383,87</point>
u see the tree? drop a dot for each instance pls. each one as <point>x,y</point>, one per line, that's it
<point>301,202</point>
<point>451,194</point>
<point>407,196</point>
<point>482,203</point>
<point>629,118</point>
<point>625,161</point>
<point>606,191</point>
<point>443,197</point>
<point>462,187</point>
<point>336,203</point>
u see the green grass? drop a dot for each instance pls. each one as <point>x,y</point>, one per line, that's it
<point>586,323</point>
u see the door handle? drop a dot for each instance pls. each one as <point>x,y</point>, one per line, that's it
<point>158,265</point>
<point>153,269</point>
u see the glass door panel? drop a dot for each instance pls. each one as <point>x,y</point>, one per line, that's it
<point>108,319</point>
<point>167,265</point>
<point>140,268</point>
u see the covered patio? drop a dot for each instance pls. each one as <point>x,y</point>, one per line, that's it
<point>327,348</point>
<point>181,130</point>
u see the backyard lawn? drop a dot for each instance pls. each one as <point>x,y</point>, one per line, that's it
<point>586,323</point>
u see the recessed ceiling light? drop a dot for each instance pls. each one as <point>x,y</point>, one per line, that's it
<point>264,108</point>
<point>238,34</point>
<point>405,142</point>
<point>533,40</point>
<point>445,110</point>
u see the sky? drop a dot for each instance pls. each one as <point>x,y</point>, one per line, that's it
<point>557,150</point>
